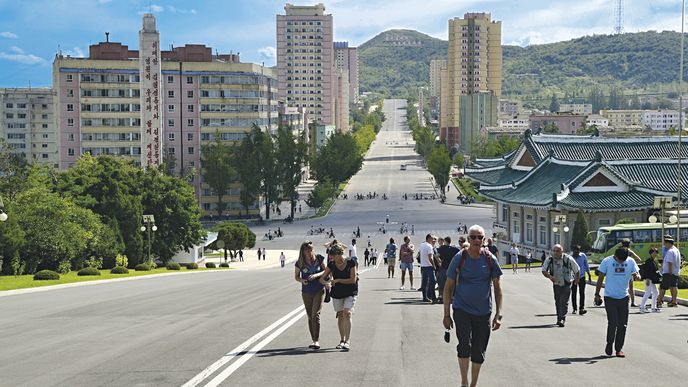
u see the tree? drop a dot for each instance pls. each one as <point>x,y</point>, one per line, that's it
<point>12,239</point>
<point>439,165</point>
<point>248,168</point>
<point>291,156</point>
<point>269,176</point>
<point>236,236</point>
<point>580,233</point>
<point>554,104</point>
<point>14,171</point>
<point>322,191</point>
<point>338,159</point>
<point>459,160</point>
<point>551,128</point>
<point>218,172</point>
<point>173,203</point>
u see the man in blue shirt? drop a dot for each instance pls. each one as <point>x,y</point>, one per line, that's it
<point>582,261</point>
<point>618,270</point>
<point>468,289</point>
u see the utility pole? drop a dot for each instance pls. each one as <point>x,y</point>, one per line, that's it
<point>618,11</point>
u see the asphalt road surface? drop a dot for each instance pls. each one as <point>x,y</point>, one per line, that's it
<point>246,328</point>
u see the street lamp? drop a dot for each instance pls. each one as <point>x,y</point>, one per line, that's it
<point>560,219</point>
<point>149,221</point>
<point>3,215</point>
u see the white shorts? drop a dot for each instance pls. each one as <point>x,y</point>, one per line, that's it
<point>340,304</point>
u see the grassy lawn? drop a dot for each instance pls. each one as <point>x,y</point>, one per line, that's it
<point>27,281</point>
<point>466,186</point>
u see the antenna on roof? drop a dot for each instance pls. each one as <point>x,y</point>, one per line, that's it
<point>107,37</point>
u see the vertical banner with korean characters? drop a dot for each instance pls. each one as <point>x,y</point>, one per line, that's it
<point>151,93</point>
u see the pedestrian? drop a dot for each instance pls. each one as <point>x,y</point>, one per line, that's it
<point>353,255</point>
<point>671,266</point>
<point>626,244</point>
<point>366,255</point>
<point>616,271</point>
<point>391,257</point>
<point>282,259</point>
<point>264,254</point>
<point>344,291</point>
<point>241,255</point>
<point>299,208</point>
<point>582,261</point>
<point>650,273</point>
<point>260,253</point>
<point>358,232</point>
<point>369,244</point>
<point>307,270</point>
<point>413,231</point>
<point>469,292</point>
<point>406,252</point>
<point>493,248</point>
<point>427,269</point>
<point>562,270</point>
<point>374,255</point>
<point>446,253</point>
<point>513,253</point>
<point>529,260</point>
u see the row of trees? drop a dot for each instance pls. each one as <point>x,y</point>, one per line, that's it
<point>89,214</point>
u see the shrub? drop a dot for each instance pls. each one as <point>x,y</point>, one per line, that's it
<point>121,260</point>
<point>94,262</point>
<point>173,266</point>
<point>119,270</point>
<point>88,271</point>
<point>64,267</point>
<point>46,275</point>
<point>191,266</point>
<point>142,267</point>
<point>210,265</point>
<point>224,264</point>
<point>683,282</point>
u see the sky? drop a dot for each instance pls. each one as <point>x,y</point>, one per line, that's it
<point>32,31</point>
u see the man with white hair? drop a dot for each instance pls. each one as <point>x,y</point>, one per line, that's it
<point>562,270</point>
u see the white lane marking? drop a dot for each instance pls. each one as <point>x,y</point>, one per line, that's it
<point>222,376</point>
<point>196,380</point>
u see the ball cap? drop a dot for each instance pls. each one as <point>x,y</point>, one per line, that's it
<point>668,238</point>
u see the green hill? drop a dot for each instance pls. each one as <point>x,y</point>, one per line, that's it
<point>634,62</point>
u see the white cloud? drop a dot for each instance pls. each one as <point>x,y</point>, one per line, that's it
<point>8,35</point>
<point>156,8</point>
<point>76,52</point>
<point>174,9</point>
<point>16,54</point>
<point>268,53</point>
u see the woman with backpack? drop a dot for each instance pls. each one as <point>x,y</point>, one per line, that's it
<point>308,270</point>
<point>650,273</point>
<point>344,290</point>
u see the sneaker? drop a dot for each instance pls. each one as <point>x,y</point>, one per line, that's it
<point>402,288</point>
<point>345,346</point>
<point>560,323</point>
<point>412,288</point>
<point>608,349</point>
<point>340,345</point>
<point>316,345</point>
<point>655,310</point>
<point>620,354</point>
<point>574,311</point>
<point>634,305</point>
<point>642,310</point>
<point>672,305</point>
<point>583,311</point>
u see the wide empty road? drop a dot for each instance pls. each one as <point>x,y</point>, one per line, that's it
<point>246,328</point>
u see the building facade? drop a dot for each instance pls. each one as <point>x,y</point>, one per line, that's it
<point>436,67</point>
<point>566,123</point>
<point>347,60</point>
<point>342,100</point>
<point>661,120</point>
<point>102,103</point>
<point>27,124</point>
<point>474,65</point>
<point>575,108</point>
<point>509,108</point>
<point>305,61</point>
<point>623,118</point>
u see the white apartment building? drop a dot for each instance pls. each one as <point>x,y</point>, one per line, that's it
<point>575,108</point>
<point>660,120</point>
<point>597,120</point>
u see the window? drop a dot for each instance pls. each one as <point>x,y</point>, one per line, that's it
<point>170,79</point>
<point>45,135</point>
<point>70,121</point>
<point>44,155</point>
<point>44,145</point>
<point>189,80</point>
<point>189,94</point>
<point>170,108</point>
<point>170,136</point>
<point>517,226</point>
<point>189,136</point>
<point>70,107</point>
<point>170,150</point>
<point>529,232</point>
<point>190,122</point>
<point>543,235</point>
<point>170,93</point>
<point>44,116</point>
<point>170,123</point>
<point>44,126</point>
<point>9,115</point>
<point>190,150</point>
<point>70,78</point>
<point>70,137</point>
<point>190,108</point>
<point>70,93</point>
<point>505,213</point>
<point>70,152</point>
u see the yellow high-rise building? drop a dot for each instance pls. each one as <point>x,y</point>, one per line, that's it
<point>474,65</point>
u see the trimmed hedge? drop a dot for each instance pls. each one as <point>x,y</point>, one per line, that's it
<point>173,266</point>
<point>119,270</point>
<point>191,266</point>
<point>46,275</point>
<point>88,271</point>
<point>210,265</point>
<point>224,264</point>
<point>142,267</point>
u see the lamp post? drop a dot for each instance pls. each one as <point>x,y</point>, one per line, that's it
<point>149,221</point>
<point>558,228</point>
<point>3,215</point>
<point>661,203</point>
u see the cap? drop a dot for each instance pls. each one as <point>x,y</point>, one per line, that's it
<point>625,242</point>
<point>668,238</point>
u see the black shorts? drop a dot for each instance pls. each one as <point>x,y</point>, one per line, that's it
<point>668,281</point>
<point>473,333</point>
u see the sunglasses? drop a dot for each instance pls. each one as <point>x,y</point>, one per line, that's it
<point>474,237</point>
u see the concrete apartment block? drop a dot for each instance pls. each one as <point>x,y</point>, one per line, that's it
<point>347,59</point>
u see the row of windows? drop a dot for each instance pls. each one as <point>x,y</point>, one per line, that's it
<point>304,50</point>
<point>189,137</point>
<point>110,78</point>
<point>234,122</point>
<point>189,150</point>
<point>16,136</point>
<point>10,105</point>
<point>290,85</point>
<point>111,122</point>
<point>233,108</point>
<point>116,107</point>
<point>304,71</point>
<point>189,94</point>
<point>189,108</point>
<point>304,91</point>
<point>307,99</point>
<point>223,136</point>
<point>304,37</point>
<point>117,151</point>
<point>304,29</point>
<point>236,80</point>
<point>305,44</point>
<point>19,115</point>
<point>124,93</point>
<point>304,23</point>
<point>189,80</point>
<point>16,125</point>
<point>236,94</point>
<point>132,136</point>
<point>304,57</point>
<point>304,78</point>
<point>170,124</point>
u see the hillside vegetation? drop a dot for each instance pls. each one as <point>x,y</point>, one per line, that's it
<point>633,62</point>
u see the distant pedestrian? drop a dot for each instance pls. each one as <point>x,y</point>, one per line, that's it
<point>562,270</point>
<point>353,255</point>
<point>264,254</point>
<point>616,271</point>
<point>366,256</point>
<point>406,252</point>
<point>344,291</point>
<point>671,265</point>
<point>260,253</point>
<point>391,257</point>
<point>427,269</point>
<point>582,261</point>
<point>413,230</point>
<point>446,254</point>
<point>374,257</point>
<point>513,253</point>
<point>468,291</point>
<point>308,270</point>
<point>241,255</point>
<point>650,273</point>
<point>282,259</point>
<point>493,248</point>
<point>529,260</point>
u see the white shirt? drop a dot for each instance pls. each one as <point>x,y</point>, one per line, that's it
<point>282,257</point>
<point>672,255</point>
<point>425,249</point>
<point>352,251</point>
<point>514,251</point>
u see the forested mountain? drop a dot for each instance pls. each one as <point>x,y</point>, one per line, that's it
<point>397,61</point>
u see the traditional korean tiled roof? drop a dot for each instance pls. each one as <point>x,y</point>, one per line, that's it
<point>493,161</point>
<point>584,147</point>
<point>497,176</point>
<point>659,175</point>
<point>608,201</point>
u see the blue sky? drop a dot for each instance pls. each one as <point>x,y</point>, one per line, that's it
<point>32,30</point>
